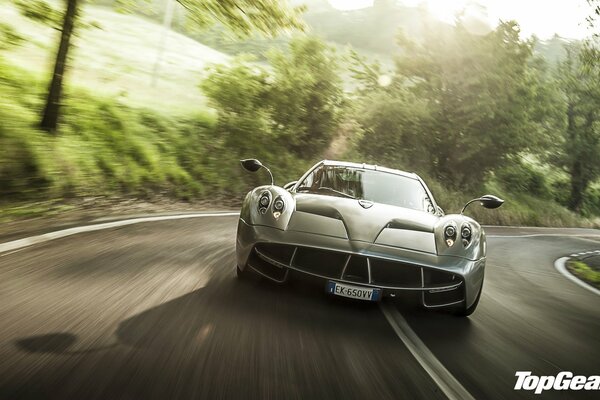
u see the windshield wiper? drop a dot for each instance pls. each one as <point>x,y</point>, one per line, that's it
<point>325,189</point>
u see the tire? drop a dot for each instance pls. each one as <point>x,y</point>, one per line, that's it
<point>466,311</point>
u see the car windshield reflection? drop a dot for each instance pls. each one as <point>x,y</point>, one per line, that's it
<point>376,186</point>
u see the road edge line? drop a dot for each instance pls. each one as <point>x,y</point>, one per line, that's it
<point>448,384</point>
<point>561,266</point>
<point>46,237</point>
<point>541,235</point>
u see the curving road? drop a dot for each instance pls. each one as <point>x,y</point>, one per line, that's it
<point>154,311</point>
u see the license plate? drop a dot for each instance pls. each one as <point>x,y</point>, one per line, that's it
<point>354,292</point>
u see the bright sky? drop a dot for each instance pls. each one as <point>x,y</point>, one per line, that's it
<point>540,17</point>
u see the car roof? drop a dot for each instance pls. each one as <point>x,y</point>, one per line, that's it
<point>369,167</point>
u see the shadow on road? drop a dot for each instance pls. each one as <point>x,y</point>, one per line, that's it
<point>55,343</point>
<point>234,338</point>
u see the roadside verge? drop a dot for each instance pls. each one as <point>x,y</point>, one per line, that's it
<point>561,266</point>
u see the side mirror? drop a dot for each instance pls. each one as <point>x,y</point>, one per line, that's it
<point>253,165</point>
<point>488,201</point>
<point>289,185</point>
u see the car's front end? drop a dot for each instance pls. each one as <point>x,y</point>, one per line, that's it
<point>441,280</point>
<point>360,248</point>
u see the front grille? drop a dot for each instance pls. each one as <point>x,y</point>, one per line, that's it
<point>274,259</point>
<point>435,278</point>
<point>266,268</point>
<point>390,273</point>
<point>321,262</point>
<point>357,270</point>
<point>279,252</point>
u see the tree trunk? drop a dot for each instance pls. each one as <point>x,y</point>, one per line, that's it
<point>52,108</point>
<point>577,186</point>
<point>575,170</point>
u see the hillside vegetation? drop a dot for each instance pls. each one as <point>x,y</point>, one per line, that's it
<point>114,56</point>
<point>120,136</point>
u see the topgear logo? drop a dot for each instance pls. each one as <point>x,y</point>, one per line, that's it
<point>563,381</point>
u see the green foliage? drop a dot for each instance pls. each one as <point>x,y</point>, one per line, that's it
<point>240,93</point>
<point>40,11</point>
<point>525,178</point>
<point>579,81</point>
<point>104,148</point>
<point>306,96</point>
<point>295,109</point>
<point>591,201</point>
<point>585,272</point>
<point>243,17</point>
<point>9,37</point>
<point>466,103</point>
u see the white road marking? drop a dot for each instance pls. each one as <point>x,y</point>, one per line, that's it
<point>561,266</point>
<point>542,235</point>
<point>440,375</point>
<point>544,228</point>
<point>29,241</point>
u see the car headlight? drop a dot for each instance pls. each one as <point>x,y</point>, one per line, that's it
<point>263,202</point>
<point>450,234</point>
<point>278,206</point>
<point>466,233</point>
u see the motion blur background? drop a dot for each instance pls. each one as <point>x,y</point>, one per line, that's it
<point>161,98</point>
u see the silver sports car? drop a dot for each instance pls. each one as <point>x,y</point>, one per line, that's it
<point>367,231</point>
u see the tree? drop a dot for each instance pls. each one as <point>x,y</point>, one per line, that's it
<point>466,103</point>
<point>52,107</point>
<point>239,16</point>
<point>242,17</point>
<point>307,95</point>
<point>580,84</point>
<point>292,110</point>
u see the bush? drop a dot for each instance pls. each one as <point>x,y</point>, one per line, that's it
<point>591,202</point>
<point>102,147</point>
<point>523,177</point>
<point>295,109</point>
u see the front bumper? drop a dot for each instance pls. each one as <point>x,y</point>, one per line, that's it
<point>441,281</point>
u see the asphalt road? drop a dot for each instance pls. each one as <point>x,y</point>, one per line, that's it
<point>154,311</point>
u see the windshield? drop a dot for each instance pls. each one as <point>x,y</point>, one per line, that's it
<point>376,186</point>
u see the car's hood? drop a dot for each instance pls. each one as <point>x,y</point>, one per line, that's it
<point>375,223</point>
<point>364,222</point>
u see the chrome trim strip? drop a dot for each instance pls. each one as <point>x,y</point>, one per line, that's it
<point>267,276</point>
<point>440,290</point>
<point>345,266</point>
<point>441,305</point>
<point>270,260</point>
<point>369,269</point>
<point>293,256</point>
<point>377,256</point>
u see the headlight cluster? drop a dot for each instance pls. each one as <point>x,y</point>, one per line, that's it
<point>278,206</point>
<point>264,201</point>
<point>451,233</point>
<point>466,233</point>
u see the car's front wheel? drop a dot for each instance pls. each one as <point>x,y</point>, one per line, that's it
<point>241,273</point>
<point>465,311</point>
